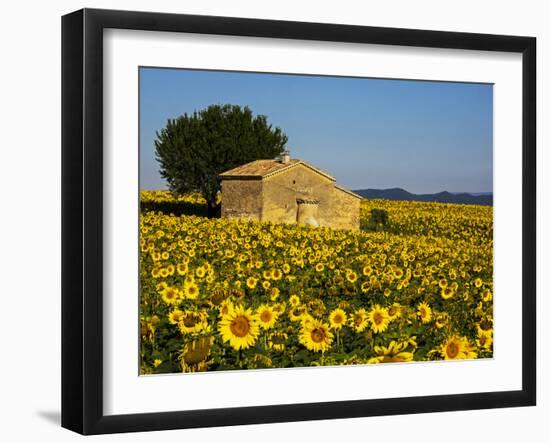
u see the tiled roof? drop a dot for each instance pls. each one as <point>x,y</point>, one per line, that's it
<point>265,168</point>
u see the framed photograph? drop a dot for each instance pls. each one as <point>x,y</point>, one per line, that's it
<point>269,221</point>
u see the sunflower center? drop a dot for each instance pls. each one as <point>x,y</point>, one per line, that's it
<point>423,312</point>
<point>318,335</point>
<point>392,311</point>
<point>240,326</point>
<point>338,319</point>
<point>452,349</point>
<point>485,325</point>
<point>190,321</point>
<point>378,318</point>
<point>170,294</point>
<point>266,316</point>
<point>358,320</point>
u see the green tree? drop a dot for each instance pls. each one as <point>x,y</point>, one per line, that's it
<point>194,149</point>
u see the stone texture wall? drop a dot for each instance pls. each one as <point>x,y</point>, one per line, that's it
<point>281,192</point>
<point>345,211</point>
<point>242,199</point>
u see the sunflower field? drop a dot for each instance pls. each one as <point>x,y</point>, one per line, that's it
<point>220,294</point>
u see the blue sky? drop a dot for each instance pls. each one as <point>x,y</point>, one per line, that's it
<point>369,133</point>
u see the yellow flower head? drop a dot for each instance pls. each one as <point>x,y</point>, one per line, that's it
<point>457,348</point>
<point>395,352</point>
<point>337,318</point>
<point>447,293</point>
<point>359,320</point>
<point>266,316</point>
<point>175,316</point>
<point>251,282</point>
<point>191,291</point>
<point>395,311</point>
<point>171,296</point>
<point>240,328</point>
<point>294,300</point>
<point>379,318</point>
<point>424,312</point>
<point>277,341</point>
<point>316,336</point>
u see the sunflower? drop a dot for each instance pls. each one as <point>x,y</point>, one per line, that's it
<point>182,268</point>
<point>306,319</point>
<point>266,284</point>
<point>478,282</point>
<point>286,268</point>
<point>266,316</point>
<point>251,282</point>
<point>192,322</point>
<point>316,336</point>
<point>239,327</point>
<point>486,295</point>
<point>294,300</point>
<point>351,276</point>
<point>379,318</point>
<point>456,348</point>
<point>276,274</point>
<point>194,355</point>
<point>171,296</point>
<point>395,310</point>
<point>319,267</point>
<point>337,318</point>
<point>387,292</point>
<point>295,314</point>
<point>395,352</point>
<point>425,312</point>
<point>274,294</point>
<point>175,316</point>
<point>359,320</point>
<point>277,341</point>
<point>279,308</point>
<point>398,273</point>
<point>226,307</point>
<point>367,270</point>
<point>447,293</point>
<point>191,291</point>
<point>485,339</point>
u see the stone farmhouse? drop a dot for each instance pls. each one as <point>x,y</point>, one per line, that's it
<point>288,190</point>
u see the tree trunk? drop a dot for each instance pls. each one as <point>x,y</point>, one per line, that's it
<point>214,209</point>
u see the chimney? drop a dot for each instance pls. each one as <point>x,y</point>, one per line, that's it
<point>285,157</point>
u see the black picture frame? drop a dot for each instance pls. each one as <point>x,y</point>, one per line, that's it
<point>82,218</point>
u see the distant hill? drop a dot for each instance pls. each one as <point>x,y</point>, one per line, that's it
<point>481,198</point>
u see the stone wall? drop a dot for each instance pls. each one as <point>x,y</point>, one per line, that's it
<point>242,199</point>
<point>345,211</point>
<point>281,192</point>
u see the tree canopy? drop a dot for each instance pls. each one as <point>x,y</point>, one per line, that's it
<point>194,149</point>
